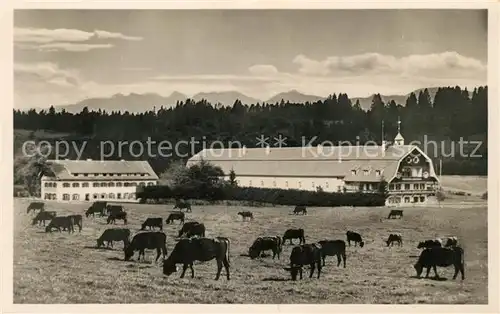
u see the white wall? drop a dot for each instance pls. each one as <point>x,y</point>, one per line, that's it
<point>309,184</point>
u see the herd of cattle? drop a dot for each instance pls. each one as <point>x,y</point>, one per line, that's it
<point>192,245</point>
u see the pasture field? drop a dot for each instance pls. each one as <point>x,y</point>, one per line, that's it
<point>475,185</point>
<point>66,268</point>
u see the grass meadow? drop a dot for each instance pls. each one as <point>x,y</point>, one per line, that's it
<point>66,268</point>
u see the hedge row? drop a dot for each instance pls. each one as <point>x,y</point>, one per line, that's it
<point>272,196</point>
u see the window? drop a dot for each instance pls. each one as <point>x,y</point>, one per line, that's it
<point>422,199</point>
<point>111,184</point>
<point>407,199</point>
<point>126,184</point>
<point>54,185</point>
<point>111,195</point>
<point>313,185</point>
<point>327,185</point>
<point>85,174</point>
<point>103,195</point>
<point>261,182</point>
<point>398,186</point>
<point>104,174</point>
<point>103,184</point>
<point>415,199</point>
<point>143,174</point>
<point>300,184</point>
<point>119,174</point>
<point>118,184</point>
<point>47,184</point>
<point>95,184</point>
<point>250,183</point>
<point>133,184</point>
<point>353,172</point>
<point>85,185</point>
<point>47,196</point>
<point>95,195</point>
<point>274,183</point>
<point>53,196</point>
<point>66,185</point>
<point>377,173</point>
<point>150,183</point>
<point>131,196</point>
<point>119,195</point>
<point>75,197</point>
<point>366,172</point>
<point>407,186</point>
<point>125,195</point>
<point>65,197</point>
<point>391,187</point>
<point>286,183</point>
<point>142,184</point>
<point>76,185</point>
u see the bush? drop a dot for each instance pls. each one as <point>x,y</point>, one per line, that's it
<point>440,196</point>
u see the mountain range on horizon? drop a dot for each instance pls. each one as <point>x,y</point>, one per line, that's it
<point>136,103</point>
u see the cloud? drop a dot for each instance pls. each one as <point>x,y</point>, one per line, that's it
<point>45,72</point>
<point>263,69</point>
<point>70,47</point>
<point>110,35</point>
<point>43,35</point>
<point>445,64</point>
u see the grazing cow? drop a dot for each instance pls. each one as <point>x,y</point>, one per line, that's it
<point>300,209</point>
<point>182,205</point>
<point>262,244</point>
<point>395,213</point>
<point>176,216</point>
<point>65,222</point>
<point>226,239</point>
<point>333,248</point>
<point>42,216</point>
<point>355,237</point>
<point>35,206</point>
<point>186,227</point>
<point>153,222</point>
<point>294,234</point>
<point>442,257</point>
<point>305,254</point>
<point>115,234</point>
<point>246,214</point>
<point>196,230</point>
<point>78,221</point>
<point>187,251</point>
<point>97,207</point>
<point>114,209</point>
<point>394,237</point>
<point>147,240</point>
<point>451,242</point>
<point>120,216</point>
<point>429,244</point>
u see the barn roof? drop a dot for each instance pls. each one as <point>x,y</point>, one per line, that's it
<point>325,161</point>
<point>102,169</point>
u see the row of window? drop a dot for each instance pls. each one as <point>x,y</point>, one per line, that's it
<point>76,197</point>
<point>407,199</point>
<point>407,186</point>
<point>109,174</point>
<point>313,184</point>
<point>96,184</point>
<point>366,172</point>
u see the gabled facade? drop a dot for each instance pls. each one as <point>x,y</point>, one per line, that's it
<point>93,180</point>
<point>408,171</point>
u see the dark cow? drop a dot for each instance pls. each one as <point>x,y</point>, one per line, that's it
<point>153,222</point>
<point>451,242</point>
<point>300,209</point>
<point>97,207</point>
<point>333,248</point>
<point>262,244</point>
<point>196,230</point>
<point>394,237</point>
<point>246,214</point>
<point>186,227</point>
<point>294,234</point>
<point>226,239</point>
<point>61,222</point>
<point>305,254</point>
<point>355,237</point>
<point>187,251</point>
<point>114,209</point>
<point>442,257</point>
<point>395,213</point>
<point>77,221</point>
<point>35,206</point>
<point>115,234</point>
<point>429,244</point>
<point>120,216</point>
<point>147,240</point>
<point>176,216</point>
<point>42,216</point>
<point>182,205</point>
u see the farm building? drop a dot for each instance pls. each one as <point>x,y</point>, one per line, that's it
<point>408,171</point>
<point>91,180</point>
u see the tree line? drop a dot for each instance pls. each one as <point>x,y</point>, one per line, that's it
<point>453,113</point>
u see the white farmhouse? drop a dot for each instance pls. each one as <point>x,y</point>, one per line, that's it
<point>408,171</point>
<point>93,180</point>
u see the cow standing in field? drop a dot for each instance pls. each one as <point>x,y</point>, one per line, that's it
<point>305,254</point>
<point>117,215</point>
<point>394,237</point>
<point>147,240</point>
<point>78,221</point>
<point>187,251</point>
<point>43,216</point>
<point>192,228</point>
<point>96,207</point>
<point>333,248</point>
<point>33,206</point>
<point>395,213</point>
<point>427,244</point>
<point>442,257</point>
<point>114,209</point>
<point>152,222</point>
<point>355,237</point>
<point>294,234</point>
<point>262,244</point>
<point>300,209</point>
<point>115,234</point>
<point>175,216</point>
<point>245,214</point>
<point>182,205</point>
<point>60,222</point>
<point>451,242</point>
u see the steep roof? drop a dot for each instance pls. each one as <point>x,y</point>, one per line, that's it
<point>81,169</point>
<point>326,161</point>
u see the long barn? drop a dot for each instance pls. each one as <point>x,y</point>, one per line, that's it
<point>408,171</point>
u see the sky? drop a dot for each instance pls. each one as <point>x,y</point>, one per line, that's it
<point>64,56</point>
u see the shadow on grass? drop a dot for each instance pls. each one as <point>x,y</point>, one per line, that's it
<point>431,278</point>
<point>276,279</point>
<point>99,248</point>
